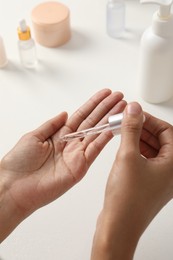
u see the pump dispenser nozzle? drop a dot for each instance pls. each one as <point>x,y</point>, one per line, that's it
<point>165,7</point>
<point>162,22</point>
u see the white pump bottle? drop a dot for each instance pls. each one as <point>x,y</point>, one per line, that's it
<point>156,55</point>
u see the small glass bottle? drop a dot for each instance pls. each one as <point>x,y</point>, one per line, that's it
<point>115,18</point>
<point>26,46</point>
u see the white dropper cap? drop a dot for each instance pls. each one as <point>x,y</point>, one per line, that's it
<point>3,56</point>
<point>115,122</point>
<point>22,25</point>
<point>115,119</point>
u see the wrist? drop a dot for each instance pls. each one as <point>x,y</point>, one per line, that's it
<point>10,215</point>
<point>117,235</point>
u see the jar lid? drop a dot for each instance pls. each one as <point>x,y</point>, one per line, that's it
<point>51,24</point>
<point>49,14</point>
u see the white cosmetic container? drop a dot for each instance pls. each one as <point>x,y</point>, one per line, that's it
<point>156,55</point>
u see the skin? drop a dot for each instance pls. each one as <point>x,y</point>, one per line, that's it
<point>40,168</point>
<point>140,184</point>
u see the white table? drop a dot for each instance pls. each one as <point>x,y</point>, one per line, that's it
<point>64,79</point>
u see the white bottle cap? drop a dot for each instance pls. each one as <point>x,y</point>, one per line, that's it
<point>3,56</point>
<point>162,23</point>
<point>165,7</point>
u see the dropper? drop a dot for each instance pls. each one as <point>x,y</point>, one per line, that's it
<point>24,32</point>
<point>114,125</point>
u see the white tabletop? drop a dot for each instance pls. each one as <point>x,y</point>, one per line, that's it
<point>65,78</point>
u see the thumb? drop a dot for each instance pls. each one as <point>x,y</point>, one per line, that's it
<point>131,127</point>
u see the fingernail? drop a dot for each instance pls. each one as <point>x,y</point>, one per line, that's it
<point>134,109</point>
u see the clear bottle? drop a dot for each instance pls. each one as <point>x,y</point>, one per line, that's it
<point>115,18</point>
<point>26,46</point>
<point>3,56</point>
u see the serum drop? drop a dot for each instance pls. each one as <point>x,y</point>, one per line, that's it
<point>26,46</point>
<point>115,18</point>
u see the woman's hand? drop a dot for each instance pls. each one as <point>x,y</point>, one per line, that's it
<point>139,185</point>
<point>40,168</point>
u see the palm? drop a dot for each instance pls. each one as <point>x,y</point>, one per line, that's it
<point>50,175</point>
<point>40,168</point>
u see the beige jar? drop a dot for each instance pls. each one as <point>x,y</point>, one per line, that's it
<point>51,24</point>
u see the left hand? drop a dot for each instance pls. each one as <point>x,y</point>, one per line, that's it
<point>40,168</point>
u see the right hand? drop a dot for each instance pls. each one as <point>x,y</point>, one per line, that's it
<point>139,185</point>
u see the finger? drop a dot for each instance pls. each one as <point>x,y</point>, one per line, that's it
<point>75,120</point>
<point>94,148</point>
<point>95,144</point>
<point>159,128</point>
<point>49,128</point>
<point>101,113</point>
<point>83,112</point>
<point>131,128</point>
<point>118,108</point>
<point>150,139</point>
<point>148,151</point>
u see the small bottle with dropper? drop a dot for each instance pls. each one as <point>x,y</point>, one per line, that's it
<point>26,46</point>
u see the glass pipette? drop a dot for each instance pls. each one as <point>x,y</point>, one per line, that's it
<point>114,125</point>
